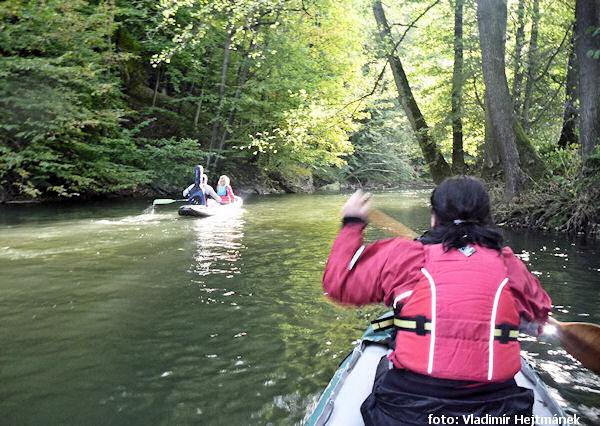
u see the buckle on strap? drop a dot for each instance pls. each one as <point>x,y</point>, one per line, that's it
<point>506,332</point>
<point>419,324</point>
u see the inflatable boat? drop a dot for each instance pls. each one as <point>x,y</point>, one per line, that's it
<point>211,210</point>
<point>340,403</point>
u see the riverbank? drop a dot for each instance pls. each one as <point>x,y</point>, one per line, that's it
<point>249,187</point>
<point>553,206</point>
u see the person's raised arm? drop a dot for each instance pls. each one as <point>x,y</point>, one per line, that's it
<point>187,190</point>
<point>361,274</point>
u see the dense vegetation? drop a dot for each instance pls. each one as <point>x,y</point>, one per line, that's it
<point>121,97</point>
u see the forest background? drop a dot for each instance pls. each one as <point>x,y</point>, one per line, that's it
<point>123,98</point>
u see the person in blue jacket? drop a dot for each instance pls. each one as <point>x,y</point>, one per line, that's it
<point>194,193</point>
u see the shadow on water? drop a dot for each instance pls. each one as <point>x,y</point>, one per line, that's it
<point>112,314</point>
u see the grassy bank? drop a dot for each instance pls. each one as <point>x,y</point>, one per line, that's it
<point>571,207</point>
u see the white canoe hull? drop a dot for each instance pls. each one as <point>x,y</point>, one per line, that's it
<point>212,209</point>
<point>352,383</point>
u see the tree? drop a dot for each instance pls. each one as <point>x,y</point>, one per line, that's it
<point>458,156</point>
<point>517,53</point>
<point>531,66</point>
<point>60,102</point>
<point>218,119</point>
<point>241,80</point>
<point>433,156</point>
<point>568,135</point>
<point>587,16</point>
<point>271,65</point>
<point>491,19</point>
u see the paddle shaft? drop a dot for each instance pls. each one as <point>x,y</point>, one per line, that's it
<point>580,339</point>
<point>386,222</point>
<point>161,201</point>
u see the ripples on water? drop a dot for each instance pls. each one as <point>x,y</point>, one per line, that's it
<point>124,314</point>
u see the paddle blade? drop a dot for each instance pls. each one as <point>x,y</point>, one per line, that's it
<point>161,201</point>
<point>582,341</point>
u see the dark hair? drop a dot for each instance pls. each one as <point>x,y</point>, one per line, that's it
<point>462,209</point>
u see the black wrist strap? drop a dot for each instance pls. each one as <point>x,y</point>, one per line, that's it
<point>352,219</point>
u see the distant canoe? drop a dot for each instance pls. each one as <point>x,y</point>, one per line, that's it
<point>210,210</point>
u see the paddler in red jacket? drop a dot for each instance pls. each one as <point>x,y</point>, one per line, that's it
<point>459,299</point>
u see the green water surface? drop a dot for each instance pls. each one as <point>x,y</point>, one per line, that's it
<point>114,314</point>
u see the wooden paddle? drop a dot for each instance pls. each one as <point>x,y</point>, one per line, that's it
<point>161,201</point>
<point>384,221</point>
<point>580,339</point>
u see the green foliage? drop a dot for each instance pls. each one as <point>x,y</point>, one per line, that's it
<point>563,164</point>
<point>103,97</point>
<point>310,134</point>
<point>306,65</point>
<point>383,152</point>
<point>62,108</point>
<point>169,161</point>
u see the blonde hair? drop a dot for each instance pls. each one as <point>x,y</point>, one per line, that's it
<point>225,179</point>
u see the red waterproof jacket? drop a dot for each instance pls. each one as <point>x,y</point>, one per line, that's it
<point>460,309</point>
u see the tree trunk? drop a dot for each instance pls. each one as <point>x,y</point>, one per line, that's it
<point>433,157</point>
<point>224,69</point>
<point>518,70</point>
<point>491,154</point>
<point>567,134</point>
<point>531,64</point>
<point>198,107</point>
<point>491,20</point>
<point>458,156</point>
<point>202,85</point>
<point>189,93</point>
<point>242,77</point>
<point>587,16</point>
<point>156,84</point>
<point>529,159</point>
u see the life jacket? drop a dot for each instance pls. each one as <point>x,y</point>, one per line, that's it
<point>222,190</point>
<point>196,196</point>
<point>459,322</point>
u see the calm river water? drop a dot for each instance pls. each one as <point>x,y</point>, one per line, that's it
<point>113,315</point>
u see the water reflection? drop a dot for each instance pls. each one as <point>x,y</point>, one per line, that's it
<point>218,243</point>
<point>565,270</point>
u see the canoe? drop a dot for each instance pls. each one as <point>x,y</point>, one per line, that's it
<point>212,209</point>
<point>353,381</point>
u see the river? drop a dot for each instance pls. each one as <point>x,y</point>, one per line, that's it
<point>114,314</point>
